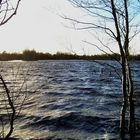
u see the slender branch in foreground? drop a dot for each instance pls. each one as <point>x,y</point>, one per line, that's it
<point>5,20</point>
<point>12,107</point>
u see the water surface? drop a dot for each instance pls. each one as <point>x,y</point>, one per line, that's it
<point>68,99</point>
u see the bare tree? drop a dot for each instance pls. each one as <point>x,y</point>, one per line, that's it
<point>8,8</point>
<point>118,20</point>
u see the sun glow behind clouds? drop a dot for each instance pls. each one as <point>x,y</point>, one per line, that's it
<point>37,25</point>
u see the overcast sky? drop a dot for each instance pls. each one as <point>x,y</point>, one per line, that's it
<point>38,26</point>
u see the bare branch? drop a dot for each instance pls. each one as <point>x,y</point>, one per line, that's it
<point>7,17</point>
<point>90,25</point>
<point>101,50</point>
<point>12,107</point>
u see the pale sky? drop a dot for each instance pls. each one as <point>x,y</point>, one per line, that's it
<point>38,26</point>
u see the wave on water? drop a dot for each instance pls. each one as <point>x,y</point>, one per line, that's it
<point>69,100</point>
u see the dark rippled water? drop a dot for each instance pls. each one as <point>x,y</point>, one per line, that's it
<point>69,99</point>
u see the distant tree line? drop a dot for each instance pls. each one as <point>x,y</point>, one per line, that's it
<point>32,55</point>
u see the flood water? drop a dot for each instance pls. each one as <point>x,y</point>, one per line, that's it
<point>68,99</point>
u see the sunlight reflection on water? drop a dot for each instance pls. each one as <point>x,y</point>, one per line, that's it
<point>66,99</point>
